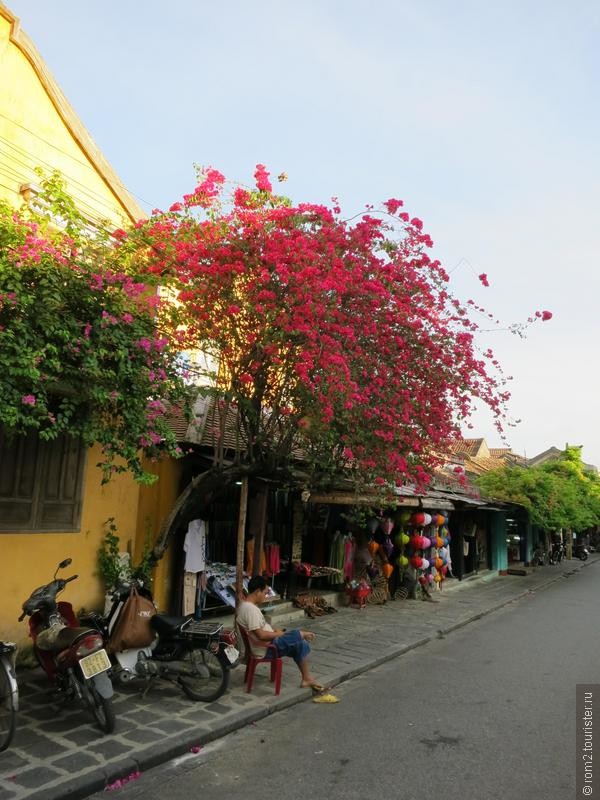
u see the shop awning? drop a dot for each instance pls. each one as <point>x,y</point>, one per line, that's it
<point>409,501</point>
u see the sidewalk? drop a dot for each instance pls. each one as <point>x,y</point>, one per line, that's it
<point>62,755</point>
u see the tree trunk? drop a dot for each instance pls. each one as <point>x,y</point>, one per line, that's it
<point>239,564</point>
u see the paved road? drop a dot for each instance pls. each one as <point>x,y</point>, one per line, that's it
<point>485,713</point>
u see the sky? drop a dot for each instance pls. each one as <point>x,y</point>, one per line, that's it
<point>484,118</point>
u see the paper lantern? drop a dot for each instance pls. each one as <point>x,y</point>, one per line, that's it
<point>418,518</point>
<point>388,546</point>
<point>426,519</point>
<point>423,580</point>
<point>439,562</point>
<point>426,542</point>
<point>404,516</point>
<point>387,570</point>
<point>405,538</point>
<point>424,564</point>
<point>429,577</point>
<point>372,524</point>
<point>416,561</point>
<point>439,542</point>
<point>386,525</point>
<point>439,520</point>
<point>437,578</point>
<point>444,570</point>
<point>373,547</point>
<point>402,561</point>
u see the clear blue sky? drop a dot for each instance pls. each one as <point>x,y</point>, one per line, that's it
<point>483,118</point>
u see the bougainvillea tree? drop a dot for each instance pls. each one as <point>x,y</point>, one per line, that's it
<point>336,342</point>
<point>81,348</point>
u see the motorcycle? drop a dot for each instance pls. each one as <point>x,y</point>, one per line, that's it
<point>73,657</point>
<point>9,693</point>
<point>581,552</point>
<point>197,656</point>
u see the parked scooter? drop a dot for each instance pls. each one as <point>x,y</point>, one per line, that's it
<point>73,657</point>
<point>197,656</point>
<point>9,693</point>
<point>581,552</point>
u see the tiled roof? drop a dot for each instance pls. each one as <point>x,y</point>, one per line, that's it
<point>465,447</point>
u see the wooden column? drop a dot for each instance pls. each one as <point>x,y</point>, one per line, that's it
<point>239,564</point>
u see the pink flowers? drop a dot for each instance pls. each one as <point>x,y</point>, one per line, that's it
<point>28,400</point>
<point>392,205</point>
<point>546,315</point>
<point>484,279</point>
<point>261,176</point>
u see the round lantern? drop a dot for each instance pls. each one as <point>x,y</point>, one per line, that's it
<point>372,524</point>
<point>387,570</point>
<point>386,525</point>
<point>373,547</point>
<point>404,516</point>
<point>426,542</point>
<point>427,519</point>
<point>439,542</point>
<point>444,570</point>
<point>423,580</point>
<point>425,564</point>
<point>437,578</point>
<point>418,518</point>
<point>416,561</point>
<point>388,546</point>
<point>405,538</point>
<point>438,563</point>
<point>439,520</point>
<point>429,577</point>
<point>402,561</point>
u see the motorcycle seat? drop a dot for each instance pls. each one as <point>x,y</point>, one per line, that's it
<point>67,637</point>
<point>165,625</point>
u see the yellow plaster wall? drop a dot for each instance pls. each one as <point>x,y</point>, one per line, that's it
<point>155,504</point>
<point>38,127</point>
<point>28,560</point>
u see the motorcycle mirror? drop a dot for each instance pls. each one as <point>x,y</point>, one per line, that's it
<point>62,565</point>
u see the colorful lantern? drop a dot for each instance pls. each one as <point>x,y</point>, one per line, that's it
<point>426,542</point>
<point>416,561</point>
<point>372,525</point>
<point>388,546</point>
<point>425,564</point>
<point>427,519</point>
<point>439,520</point>
<point>402,561</point>
<point>387,570</point>
<point>373,547</point>
<point>386,525</point>
<point>439,542</point>
<point>418,518</point>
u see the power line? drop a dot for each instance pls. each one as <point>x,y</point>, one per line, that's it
<point>72,157</point>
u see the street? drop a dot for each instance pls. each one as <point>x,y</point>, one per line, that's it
<point>486,712</point>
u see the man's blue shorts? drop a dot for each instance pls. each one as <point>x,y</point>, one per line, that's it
<point>293,645</point>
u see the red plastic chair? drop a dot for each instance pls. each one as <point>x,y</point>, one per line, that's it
<point>252,661</point>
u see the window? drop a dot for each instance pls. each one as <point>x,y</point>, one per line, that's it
<point>40,483</point>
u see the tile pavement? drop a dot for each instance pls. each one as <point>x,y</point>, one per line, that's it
<point>58,752</point>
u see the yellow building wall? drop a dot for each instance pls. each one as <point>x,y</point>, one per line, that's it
<point>38,128</point>
<point>155,504</point>
<point>28,560</point>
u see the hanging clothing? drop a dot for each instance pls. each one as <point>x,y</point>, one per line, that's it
<point>194,546</point>
<point>273,559</point>
<point>349,551</point>
<point>250,559</point>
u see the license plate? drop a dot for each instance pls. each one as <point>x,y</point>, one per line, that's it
<point>232,654</point>
<point>94,664</point>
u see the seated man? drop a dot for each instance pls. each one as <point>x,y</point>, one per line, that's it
<point>292,643</point>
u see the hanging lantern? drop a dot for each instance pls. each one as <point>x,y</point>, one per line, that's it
<point>438,563</point>
<point>427,519</point>
<point>426,542</point>
<point>388,546</point>
<point>402,561</point>
<point>425,564</point>
<point>439,520</point>
<point>439,542</point>
<point>437,578</point>
<point>416,562</point>
<point>387,570</point>
<point>418,518</point>
<point>386,525</point>
<point>372,525</point>
<point>373,547</point>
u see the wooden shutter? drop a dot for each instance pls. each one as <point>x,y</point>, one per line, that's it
<point>40,483</point>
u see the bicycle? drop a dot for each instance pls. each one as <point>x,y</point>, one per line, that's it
<point>9,693</point>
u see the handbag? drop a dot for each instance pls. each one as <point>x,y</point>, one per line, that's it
<point>133,630</point>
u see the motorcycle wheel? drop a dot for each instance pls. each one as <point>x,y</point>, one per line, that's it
<point>207,678</point>
<point>100,707</point>
<point>7,707</point>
